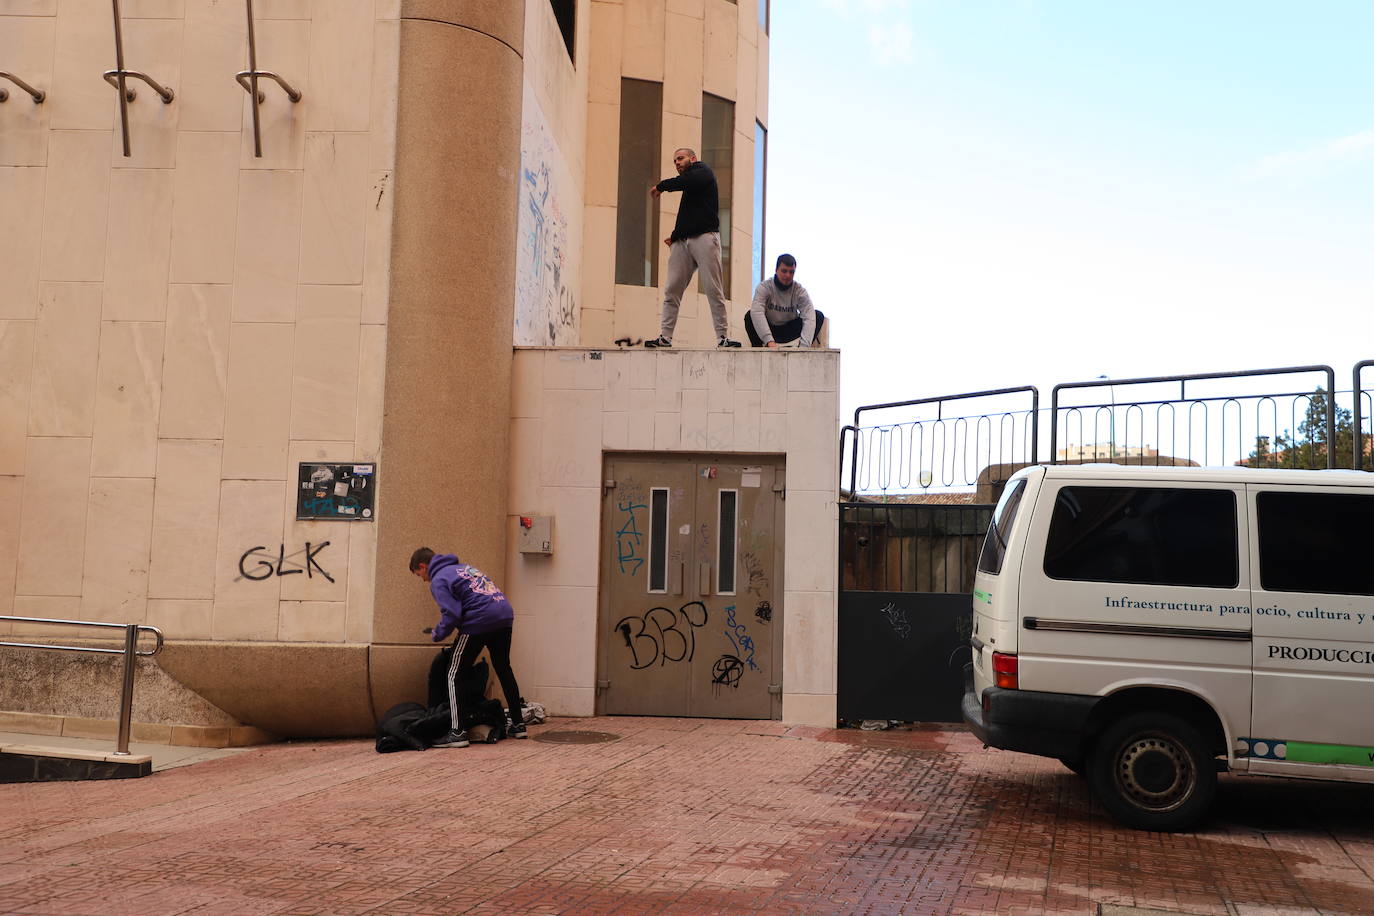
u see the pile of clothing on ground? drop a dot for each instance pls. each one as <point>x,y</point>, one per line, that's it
<point>413,727</point>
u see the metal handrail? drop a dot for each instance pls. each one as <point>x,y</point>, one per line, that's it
<point>1357,449</point>
<point>1183,380</point>
<point>248,79</point>
<point>939,402</point>
<point>845,431</point>
<point>130,652</point>
<point>38,95</point>
<point>119,78</point>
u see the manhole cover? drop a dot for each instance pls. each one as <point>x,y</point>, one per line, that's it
<point>573,736</point>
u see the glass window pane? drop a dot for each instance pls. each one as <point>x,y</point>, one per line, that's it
<point>1144,536</point>
<point>725,565</point>
<point>565,12</point>
<point>760,197</point>
<point>636,219</point>
<point>995,543</point>
<point>1316,542</point>
<point>763,15</point>
<point>658,540</point>
<point>718,151</point>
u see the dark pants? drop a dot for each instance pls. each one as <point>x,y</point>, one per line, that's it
<point>465,650</point>
<point>784,333</point>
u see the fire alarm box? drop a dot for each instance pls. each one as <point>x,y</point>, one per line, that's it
<point>536,534</point>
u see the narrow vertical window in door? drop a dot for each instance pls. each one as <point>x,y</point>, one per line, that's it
<point>658,539</point>
<point>725,525</point>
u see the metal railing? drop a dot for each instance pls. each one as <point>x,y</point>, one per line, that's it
<point>1284,417</point>
<point>939,450</point>
<point>130,652</point>
<point>1186,419</point>
<point>248,79</point>
<point>119,78</point>
<point>1362,412</point>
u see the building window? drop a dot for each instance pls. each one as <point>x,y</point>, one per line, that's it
<point>565,11</point>
<point>760,197</point>
<point>718,151</point>
<point>1144,536</point>
<point>764,15</point>
<point>636,218</point>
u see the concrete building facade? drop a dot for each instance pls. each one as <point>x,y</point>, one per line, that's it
<point>421,276</point>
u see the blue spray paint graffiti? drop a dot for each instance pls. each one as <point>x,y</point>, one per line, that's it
<point>739,637</point>
<point>627,537</point>
<point>546,312</point>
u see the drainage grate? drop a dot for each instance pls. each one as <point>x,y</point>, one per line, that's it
<point>573,736</point>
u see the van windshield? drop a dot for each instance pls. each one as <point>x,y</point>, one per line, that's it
<point>995,544</point>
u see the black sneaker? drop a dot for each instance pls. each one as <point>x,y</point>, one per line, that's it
<point>661,341</point>
<point>727,342</point>
<point>453,739</point>
<point>517,730</point>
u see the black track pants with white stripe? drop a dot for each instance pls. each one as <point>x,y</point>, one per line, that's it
<point>465,651</point>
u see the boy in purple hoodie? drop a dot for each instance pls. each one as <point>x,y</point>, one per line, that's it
<point>470,603</point>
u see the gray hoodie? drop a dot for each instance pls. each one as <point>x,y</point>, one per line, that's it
<point>774,305</point>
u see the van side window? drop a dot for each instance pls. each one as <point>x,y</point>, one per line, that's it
<point>995,544</point>
<point>1144,536</point>
<point>1316,542</point>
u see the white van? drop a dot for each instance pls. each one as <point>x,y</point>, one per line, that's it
<point>1152,626</point>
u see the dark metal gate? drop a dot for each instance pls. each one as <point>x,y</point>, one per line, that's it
<point>905,579</point>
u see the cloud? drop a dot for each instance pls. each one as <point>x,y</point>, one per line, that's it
<point>892,44</point>
<point>891,38</point>
<point>866,7</point>
<point>1315,159</point>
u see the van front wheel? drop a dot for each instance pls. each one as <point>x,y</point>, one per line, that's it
<point>1153,771</point>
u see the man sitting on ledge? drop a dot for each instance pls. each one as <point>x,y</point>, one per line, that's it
<point>782,311</point>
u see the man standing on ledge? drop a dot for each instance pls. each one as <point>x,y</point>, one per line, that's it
<point>470,603</point>
<point>695,243</point>
<point>782,311</point>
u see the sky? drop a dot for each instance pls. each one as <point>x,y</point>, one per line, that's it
<point>990,194</point>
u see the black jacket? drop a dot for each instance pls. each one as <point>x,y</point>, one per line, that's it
<point>411,727</point>
<point>699,212</point>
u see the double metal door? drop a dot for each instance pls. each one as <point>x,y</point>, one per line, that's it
<point>691,609</point>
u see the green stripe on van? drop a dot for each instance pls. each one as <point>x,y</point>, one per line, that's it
<point>1302,752</point>
<point>982,596</point>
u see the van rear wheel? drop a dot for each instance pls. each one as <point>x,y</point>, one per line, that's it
<point>1153,771</point>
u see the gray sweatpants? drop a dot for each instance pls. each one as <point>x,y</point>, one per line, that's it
<point>685,257</point>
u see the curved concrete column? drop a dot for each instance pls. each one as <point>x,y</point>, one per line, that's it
<point>446,425</point>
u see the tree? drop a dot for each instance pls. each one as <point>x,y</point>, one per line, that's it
<point>1308,449</point>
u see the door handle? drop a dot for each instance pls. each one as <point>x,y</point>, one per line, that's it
<point>703,579</point>
<point>675,576</point>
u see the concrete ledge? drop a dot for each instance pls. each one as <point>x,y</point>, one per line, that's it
<point>31,763</point>
<point>72,753</point>
<point>146,732</point>
<point>30,723</point>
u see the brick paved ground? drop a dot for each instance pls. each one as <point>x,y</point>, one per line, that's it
<point>679,816</point>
